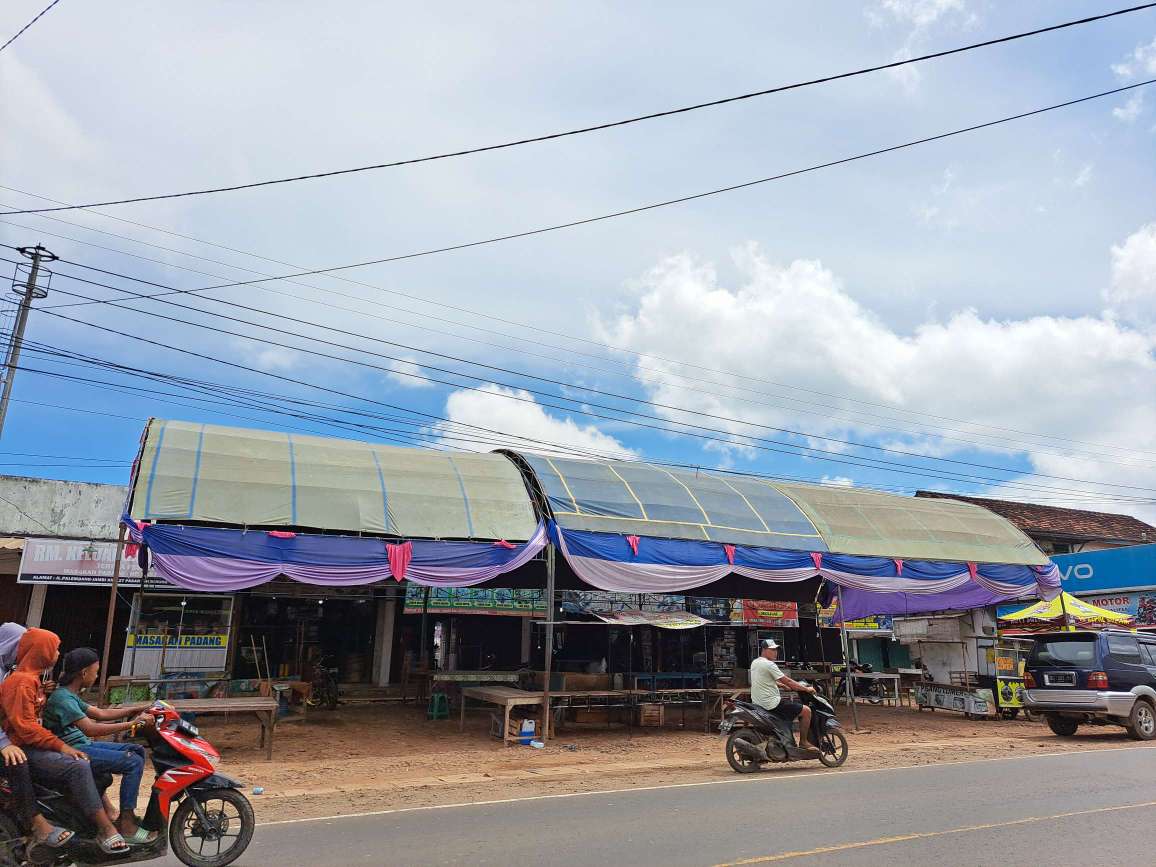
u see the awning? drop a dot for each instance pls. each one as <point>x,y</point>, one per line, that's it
<point>1077,610</point>
<point>235,477</point>
<point>632,527</point>
<point>630,498</point>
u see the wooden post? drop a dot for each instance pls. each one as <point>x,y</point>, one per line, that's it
<point>548,664</point>
<point>423,657</point>
<point>111,614</point>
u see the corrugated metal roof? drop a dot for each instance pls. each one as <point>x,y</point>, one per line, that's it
<point>239,477</point>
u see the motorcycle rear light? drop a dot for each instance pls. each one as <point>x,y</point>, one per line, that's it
<point>1098,680</point>
<point>1029,680</point>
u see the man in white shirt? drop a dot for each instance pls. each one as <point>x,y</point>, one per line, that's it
<point>766,678</point>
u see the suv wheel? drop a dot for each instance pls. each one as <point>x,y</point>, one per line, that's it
<point>1142,721</point>
<point>1063,726</point>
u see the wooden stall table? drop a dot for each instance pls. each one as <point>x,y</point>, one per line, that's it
<point>505,697</point>
<point>262,707</point>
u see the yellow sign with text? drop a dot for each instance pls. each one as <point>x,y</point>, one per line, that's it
<point>179,642</point>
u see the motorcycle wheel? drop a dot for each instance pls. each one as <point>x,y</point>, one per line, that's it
<point>739,763</point>
<point>11,842</point>
<point>231,817</point>
<point>833,749</point>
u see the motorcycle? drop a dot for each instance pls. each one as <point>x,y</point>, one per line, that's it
<point>211,825</point>
<point>324,692</point>
<point>868,688</point>
<point>756,736</point>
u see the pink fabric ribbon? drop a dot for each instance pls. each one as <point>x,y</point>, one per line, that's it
<point>730,552</point>
<point>632,541</point>
<point>399,557</point>
<point>281,534</point>
<point>502,543</point>
<point>899,568</point>
<point>817,559</point>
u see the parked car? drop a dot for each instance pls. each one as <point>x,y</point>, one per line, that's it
<point>1093,678</point>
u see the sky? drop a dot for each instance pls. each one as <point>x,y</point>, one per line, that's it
<point>976,314</point>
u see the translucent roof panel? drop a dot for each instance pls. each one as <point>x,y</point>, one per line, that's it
<point>645,499</point>
<point>251,478</point>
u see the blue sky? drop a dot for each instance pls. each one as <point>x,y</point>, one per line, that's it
<point>988,299</point>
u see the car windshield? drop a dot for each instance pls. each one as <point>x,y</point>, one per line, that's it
<point>1076,650</point>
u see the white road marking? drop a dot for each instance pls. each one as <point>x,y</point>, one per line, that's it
<point>754,778</point>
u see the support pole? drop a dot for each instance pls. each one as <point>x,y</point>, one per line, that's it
<point>31,292</point>
<point>111,614</point>
<point>1064,608</point>
<point>548,664</point>
<point>423,657</point>
<point>847,660</point>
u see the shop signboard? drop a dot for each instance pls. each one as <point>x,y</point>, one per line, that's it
<point>877,623</point>
<point>1105,572</point>
<point>474,600</point>
<point>68,562</point>
<point>182,642</point>
<point>966,701</point>
<point>599,601</point>
<point>762,612</point>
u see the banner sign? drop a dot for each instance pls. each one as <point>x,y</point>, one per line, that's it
<point>474,600</point>
<point>85,564</point>
<point>877,623</point>
<point>761,612</point>
<point>661,619</point>
<point>182,642</point>
<point>598,601</point>
<point>1115,569</point>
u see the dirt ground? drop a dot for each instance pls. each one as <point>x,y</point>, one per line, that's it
<point>378,757</point>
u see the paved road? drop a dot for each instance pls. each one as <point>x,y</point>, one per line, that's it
<point>1091,808</point>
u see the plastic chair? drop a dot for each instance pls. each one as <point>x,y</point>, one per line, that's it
<point>438,707</point>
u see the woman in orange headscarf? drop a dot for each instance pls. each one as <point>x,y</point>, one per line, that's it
<point>50,759</point>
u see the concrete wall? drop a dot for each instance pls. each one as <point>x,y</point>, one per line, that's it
<point>70,510</point>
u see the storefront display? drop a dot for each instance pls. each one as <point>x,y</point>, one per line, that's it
<point>172,632</point>
<point>470,600</point>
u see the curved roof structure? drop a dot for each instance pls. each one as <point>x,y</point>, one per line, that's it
<point>236,477</point>
<point>631,498</point>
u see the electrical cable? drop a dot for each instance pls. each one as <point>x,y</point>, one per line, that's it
<point>20,32</point>
<point>523,326</point>
<point>602,126</point>
<point>581,408</point>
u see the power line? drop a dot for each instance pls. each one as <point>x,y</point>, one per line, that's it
<point>623,373</point>
<point>488,367</point>
<point>39,15</point>
<point>520,325</point>
<point>1125,500</point>
<point>727,437</point>
<point>602,126</point>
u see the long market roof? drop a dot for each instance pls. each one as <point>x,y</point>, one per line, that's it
<point>644,499</point>
<point>251,478</point>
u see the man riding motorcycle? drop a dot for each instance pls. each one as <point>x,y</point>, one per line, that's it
<point>766,678</point>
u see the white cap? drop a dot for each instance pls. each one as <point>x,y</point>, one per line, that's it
<point>768,644</point>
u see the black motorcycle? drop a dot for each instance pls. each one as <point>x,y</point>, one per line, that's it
<point>868,688</point>
<point>756,736</point>
<point>324,692</point>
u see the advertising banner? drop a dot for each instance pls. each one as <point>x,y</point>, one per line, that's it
<point>1141,606</point>
<point>84,564</point>
<point>762,612</point>
<point>472,600</point>
<point>661,619</point>
<point>183,642</point>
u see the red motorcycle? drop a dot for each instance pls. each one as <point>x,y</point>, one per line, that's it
<point>211,825</point>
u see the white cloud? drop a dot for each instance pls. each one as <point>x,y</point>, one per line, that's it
<point>408,374</point>
<point>493,409</point>
<point>838,481</point>
<point>917,13</point>
<point>271,359</point>
<point>1142,61</point>
<point>1083,176</point>
<point>1130,110</point>
<point>1087,378</point>
<point>1132,292</point>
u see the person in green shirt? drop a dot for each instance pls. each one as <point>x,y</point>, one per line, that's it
<point>77,723</point>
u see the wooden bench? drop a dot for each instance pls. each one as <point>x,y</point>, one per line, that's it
<point>265,709</point>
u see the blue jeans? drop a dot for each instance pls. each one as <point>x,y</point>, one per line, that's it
<point>128,760</point>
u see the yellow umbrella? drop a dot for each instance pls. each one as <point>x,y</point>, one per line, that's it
<point>1071,606</point>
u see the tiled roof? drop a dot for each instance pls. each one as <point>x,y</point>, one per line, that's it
<point>1054,522</point>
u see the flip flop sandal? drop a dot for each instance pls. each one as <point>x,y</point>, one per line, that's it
<point>141,836</point>
<point>114,845</point>
<point>56,838</point>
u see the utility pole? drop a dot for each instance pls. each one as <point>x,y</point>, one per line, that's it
<point>28,293</point>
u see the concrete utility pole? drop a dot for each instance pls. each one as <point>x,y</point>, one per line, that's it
<point>29,292</point>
